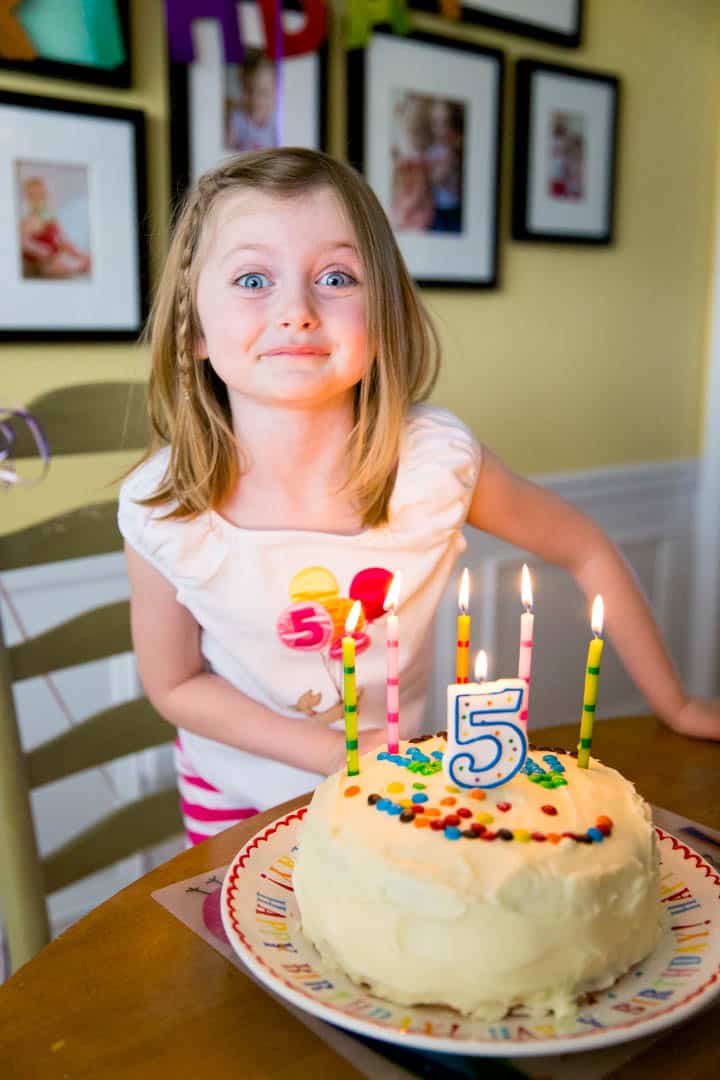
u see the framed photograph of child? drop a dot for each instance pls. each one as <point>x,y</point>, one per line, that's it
<point>566,123</point>
<point>218,109</point>
<point>557,21</point>
<point>85,42</point>
<point>73,255</point>
<point>424,126</point>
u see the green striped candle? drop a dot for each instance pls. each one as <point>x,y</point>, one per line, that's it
<point>592,673</point>
<point>350,691</point>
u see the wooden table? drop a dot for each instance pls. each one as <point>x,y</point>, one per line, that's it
<point>129,991</point>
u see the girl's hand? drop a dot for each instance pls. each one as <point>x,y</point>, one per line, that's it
<point>699,718</point>
<point>336,711</point>
<point>368,740</point>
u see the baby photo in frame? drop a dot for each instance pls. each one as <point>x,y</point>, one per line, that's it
<point>566,122</point>
<point>424,122</point>
<point>73,255</point>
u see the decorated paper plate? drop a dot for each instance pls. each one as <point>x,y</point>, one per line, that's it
<point>681,976</point>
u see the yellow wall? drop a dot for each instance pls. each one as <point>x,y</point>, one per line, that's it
<point>584,356</point>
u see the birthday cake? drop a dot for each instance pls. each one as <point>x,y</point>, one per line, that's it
<point>533,892</point>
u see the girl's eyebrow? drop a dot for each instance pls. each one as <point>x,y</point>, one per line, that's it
<point>341,245</point>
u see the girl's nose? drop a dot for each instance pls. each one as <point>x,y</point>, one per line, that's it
<point>298,312</point>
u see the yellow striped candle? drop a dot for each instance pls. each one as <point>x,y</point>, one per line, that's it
<point>350,691</point>
<point>462,656</point>
<point>592,673</point>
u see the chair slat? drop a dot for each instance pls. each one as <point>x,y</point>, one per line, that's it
<point>113,733</point>
<point>92,635</point>
<point>76,534</point>
<point>88,419</point>
<point>129,829</point>
<point>22,900</point>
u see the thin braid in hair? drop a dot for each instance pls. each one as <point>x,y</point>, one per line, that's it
<point>184,303</point>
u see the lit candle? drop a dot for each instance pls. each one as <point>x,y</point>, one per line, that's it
<point>526,640</point>
<point>462,661</point>
<point>350,691</point>
<point>393,667</point>
<point>592,671</point>
<point>486,743</point>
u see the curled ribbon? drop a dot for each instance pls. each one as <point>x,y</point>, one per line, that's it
<point>7,442</point>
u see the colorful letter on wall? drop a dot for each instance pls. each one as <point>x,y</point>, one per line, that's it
<point>181,13</point>
<point>362,15</point>
<point>306,40</point>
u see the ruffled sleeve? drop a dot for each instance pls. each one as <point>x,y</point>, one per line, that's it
<point>187,552</point>
<point>437,472</point>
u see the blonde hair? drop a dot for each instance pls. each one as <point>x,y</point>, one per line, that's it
<point>188,404</point>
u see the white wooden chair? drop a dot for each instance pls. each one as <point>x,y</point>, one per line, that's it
<point>92,418</point>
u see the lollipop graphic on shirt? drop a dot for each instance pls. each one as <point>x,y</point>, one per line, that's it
<point>316,617</point>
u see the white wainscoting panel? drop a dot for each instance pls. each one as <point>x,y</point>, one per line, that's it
<point>648,512</point>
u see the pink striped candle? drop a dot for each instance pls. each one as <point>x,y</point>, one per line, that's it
<point>393,667</point>
<point>526,641</point>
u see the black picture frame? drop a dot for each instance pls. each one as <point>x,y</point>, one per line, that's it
<point>307,71</point>
<point>540,26</point>
<point>455,245</point>
<point>119,77</point>
<point>91,160</point>
<point>565,154</point>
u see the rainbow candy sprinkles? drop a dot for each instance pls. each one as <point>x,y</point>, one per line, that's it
<point>462,822</point>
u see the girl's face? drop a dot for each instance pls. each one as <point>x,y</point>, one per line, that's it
<point>281,299</point>
<point>260,93</point>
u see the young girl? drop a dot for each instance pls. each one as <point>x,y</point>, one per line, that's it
<point>296,469</point>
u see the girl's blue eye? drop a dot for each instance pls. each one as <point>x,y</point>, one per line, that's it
<point>349,279</point>
<point>248,278</point>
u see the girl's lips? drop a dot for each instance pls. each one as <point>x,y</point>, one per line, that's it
<point>297,351</point>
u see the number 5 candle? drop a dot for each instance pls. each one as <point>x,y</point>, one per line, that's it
<point>486,743</point>
<point>393,667</point>
<point>462,659</point>
<point>592,671</point>
<point>350,691</point>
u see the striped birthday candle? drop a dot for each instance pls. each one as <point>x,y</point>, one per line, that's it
<point>592,674</point>
<point>350,692</point>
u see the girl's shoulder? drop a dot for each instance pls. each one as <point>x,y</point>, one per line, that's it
<point>439,438</point>
<point>185,550</point>
<point>145,479</point>
<point>437,468</point>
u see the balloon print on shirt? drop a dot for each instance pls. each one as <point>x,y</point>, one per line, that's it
<point>315,622</point>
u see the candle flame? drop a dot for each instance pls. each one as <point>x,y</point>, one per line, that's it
<point>353,617</point>
<point>598,615</point>
<point>526,588</point>
<point>481,666</point>
<point>464,591</point>
<point>393,593</point>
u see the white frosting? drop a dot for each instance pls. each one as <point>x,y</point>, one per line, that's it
<point>475,924</point>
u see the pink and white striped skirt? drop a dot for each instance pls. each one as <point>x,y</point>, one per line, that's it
<point>206,811</point>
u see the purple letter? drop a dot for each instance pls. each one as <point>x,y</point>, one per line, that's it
<point>180,14</point>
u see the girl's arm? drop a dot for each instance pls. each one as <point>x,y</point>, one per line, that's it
<point>166,640</point>
<point>524,514</point>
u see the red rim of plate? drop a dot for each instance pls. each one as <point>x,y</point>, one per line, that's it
<point>506,1047</point>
